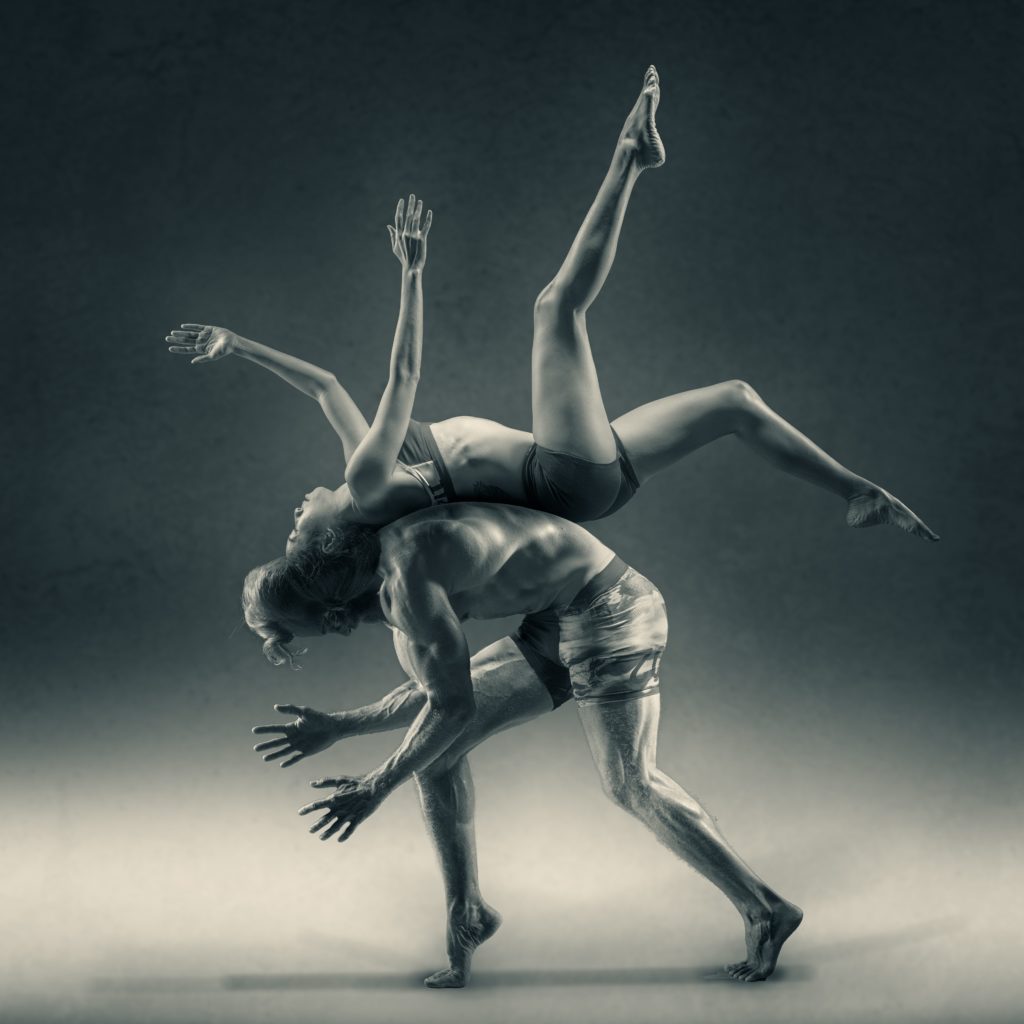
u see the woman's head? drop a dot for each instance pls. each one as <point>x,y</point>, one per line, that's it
<point>324,587</point>
<point>319,511</point>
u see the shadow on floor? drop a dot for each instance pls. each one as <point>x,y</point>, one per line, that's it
<point>393,981</point>
<point>840,948</point>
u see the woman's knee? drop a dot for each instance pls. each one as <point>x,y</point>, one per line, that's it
<point>554,304</point>
<point>740,401</point>
<point>739,393</point>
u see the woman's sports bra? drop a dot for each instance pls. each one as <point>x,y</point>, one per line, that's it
<point>420,456</point>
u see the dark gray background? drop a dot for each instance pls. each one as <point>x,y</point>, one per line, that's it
<point>838,223</point>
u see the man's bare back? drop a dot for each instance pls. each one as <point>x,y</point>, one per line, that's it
<point>491,560</point>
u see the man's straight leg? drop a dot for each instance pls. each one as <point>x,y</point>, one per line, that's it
<point>623,738</point>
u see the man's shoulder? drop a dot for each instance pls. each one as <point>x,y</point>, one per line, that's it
<point>409,532</point>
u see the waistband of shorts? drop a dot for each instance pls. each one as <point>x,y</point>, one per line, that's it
<point>604,580</point>
<point>427,436</point>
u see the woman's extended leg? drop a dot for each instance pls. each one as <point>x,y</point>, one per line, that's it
<point>662,432</point>
<point>568,412</point>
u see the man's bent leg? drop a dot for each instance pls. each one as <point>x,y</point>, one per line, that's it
<point>623,738</point>
<point>507,692</point>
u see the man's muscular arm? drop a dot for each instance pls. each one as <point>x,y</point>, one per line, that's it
<point>418,606</point>
<point>313,731</point>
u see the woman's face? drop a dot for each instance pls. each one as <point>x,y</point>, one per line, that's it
<point>318,508</point>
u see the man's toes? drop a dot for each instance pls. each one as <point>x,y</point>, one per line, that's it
<point>445,979</point>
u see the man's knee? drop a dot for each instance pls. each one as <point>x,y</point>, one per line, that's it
<point>649,796</point>
<point>628,790</point>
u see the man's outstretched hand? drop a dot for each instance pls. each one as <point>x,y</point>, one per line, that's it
<point>352,803</point>
<point>311,732</point>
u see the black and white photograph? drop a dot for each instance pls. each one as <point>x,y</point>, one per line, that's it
<point>512,512</point>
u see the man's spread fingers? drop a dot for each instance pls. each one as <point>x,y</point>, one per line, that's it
<point>327,833</point>
<point>269,744</point>
<point>323,821</point>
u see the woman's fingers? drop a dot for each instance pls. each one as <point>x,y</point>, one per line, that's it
<point>427,222</point>
<point>198,328</point>
<point>183,349</point>
<point>398,216</point>
<point>409,211</point>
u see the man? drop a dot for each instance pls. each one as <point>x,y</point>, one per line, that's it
<point>586,612</point>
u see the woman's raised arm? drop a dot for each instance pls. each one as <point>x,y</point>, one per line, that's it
<point>370,467</point>
<point>206,344</point>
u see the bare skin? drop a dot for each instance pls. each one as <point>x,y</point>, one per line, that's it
<point>444,565</point>
<point>485,458</point>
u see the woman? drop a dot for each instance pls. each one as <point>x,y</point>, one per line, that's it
<point>575,464</point>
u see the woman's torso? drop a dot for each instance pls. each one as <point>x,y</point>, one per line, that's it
<point>484,460</point>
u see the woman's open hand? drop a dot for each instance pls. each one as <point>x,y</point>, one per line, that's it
<point>408,238</point>
<point>204,343</point>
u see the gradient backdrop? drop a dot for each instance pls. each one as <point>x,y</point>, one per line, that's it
<point>839,223</point>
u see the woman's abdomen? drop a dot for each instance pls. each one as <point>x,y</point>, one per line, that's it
<point>484,458</point>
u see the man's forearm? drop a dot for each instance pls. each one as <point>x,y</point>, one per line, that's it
<point>434,731</point>
<point>397,710</point>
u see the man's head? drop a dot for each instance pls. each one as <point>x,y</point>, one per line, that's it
<point>329,586</point>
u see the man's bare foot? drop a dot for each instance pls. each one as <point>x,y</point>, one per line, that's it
<point>876,507</point>
<point>467,929</point>
<point>765,936</point>
<point>640,132</point>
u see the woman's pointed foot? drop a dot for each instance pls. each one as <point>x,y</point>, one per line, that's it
<point>640,131</point>
<point>877,507</point>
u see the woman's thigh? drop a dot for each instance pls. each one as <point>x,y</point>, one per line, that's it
<point>662,432</point>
